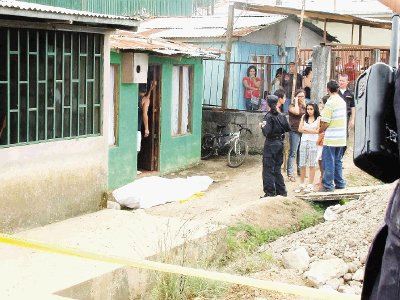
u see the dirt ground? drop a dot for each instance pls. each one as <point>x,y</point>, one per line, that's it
<point>235,194</point>
<point>234,197</point>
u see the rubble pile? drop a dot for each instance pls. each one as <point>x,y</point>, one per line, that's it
<point>332,254</point>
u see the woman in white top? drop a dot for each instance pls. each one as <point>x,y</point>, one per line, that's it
<point>309,127</point>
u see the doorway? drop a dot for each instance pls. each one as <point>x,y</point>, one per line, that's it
<point>148,156</point>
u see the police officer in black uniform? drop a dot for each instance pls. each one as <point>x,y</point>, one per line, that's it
<point>273,127</point>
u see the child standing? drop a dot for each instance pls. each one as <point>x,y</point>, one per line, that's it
<point>309,127</point>
<point>263,102</point>
<point>320,142</point>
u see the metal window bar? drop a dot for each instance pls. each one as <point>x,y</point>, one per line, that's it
<point>40,115</point>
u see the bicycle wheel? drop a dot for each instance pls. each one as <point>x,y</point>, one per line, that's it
<point>207,145</point>
<point>237,153</point>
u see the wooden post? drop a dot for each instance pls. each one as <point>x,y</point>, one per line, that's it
<point>227,67</point>
<point>325,32</point>
<point>296,63</point>
<point>352,33</point>
<point>360,35</point>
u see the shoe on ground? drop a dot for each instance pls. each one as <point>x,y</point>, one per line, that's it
<point>309,189</point>
<point>291,178</point>
<point>300,188</point>
<point>283,195</point>
<point>325,190</point>
<point>340,187</point>
<point>268,195</point>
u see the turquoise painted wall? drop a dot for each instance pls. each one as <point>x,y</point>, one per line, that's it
<point>131,7</point>
<point>122,158</point>
<point>213,71</point>
<point>179,152</point>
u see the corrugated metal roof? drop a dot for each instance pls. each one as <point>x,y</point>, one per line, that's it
<point>207,26</point>
<point>319,15</point>
<point>126,40</point>
<point>32,10</point>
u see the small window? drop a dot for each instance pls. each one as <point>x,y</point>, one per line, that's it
<point>182,98</point>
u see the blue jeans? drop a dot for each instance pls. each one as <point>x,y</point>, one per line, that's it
<point>249,105</point>
<point>294,142</point>
<point>332,166</point>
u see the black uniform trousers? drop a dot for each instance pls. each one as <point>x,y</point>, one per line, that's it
<point>273,182</point>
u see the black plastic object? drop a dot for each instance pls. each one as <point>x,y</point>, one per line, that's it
<point>375,145</point>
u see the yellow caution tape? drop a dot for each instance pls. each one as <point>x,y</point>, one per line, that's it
<point>199,194</point>
<point>175,269</point>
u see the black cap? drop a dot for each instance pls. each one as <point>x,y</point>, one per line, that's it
<point>272,100</point>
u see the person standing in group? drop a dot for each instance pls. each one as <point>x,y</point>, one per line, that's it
<point>273,127</point>
<point>251,85</point>
<point>320,142</point>
<point>263,102</point>
<point>306,84</point>
<point>277,81</point>
<point>338,67</point>
<point>350,68</point>
<point>296,110</point>
<point>143,108</point>
<point>287,84</point>
<point>348,96</point>
<point>280,93</point>
<point>309,128</point>
<point>333,123</point>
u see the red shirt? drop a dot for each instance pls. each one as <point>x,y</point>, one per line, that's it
<point>251,83</point>
<point>350,69</point>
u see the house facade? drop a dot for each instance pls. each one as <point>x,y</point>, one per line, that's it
<point>266,41</point>
<point>175,109</point>
<point>53,112</point>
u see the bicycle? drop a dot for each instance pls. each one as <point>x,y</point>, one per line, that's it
<point>214,143</point>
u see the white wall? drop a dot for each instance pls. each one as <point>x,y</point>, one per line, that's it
<point>286,31</point>
<point>370,36</point>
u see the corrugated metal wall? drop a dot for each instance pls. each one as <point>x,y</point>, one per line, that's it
<point>242,53</point>
<point>131,7</point>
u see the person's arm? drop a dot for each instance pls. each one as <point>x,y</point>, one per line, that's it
<point>266,129</point>
<point>145,109</point>
<point>152,86</point>
<point>246,84</point>
<point>323,126</point>
<point>294,108</point>
<point>301,125</point>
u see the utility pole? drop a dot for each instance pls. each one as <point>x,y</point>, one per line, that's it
<point>298,47</point>
<point>227,67</point>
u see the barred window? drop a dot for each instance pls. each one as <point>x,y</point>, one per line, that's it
<point>50,85</point>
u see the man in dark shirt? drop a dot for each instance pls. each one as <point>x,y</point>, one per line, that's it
<point>287,84</point>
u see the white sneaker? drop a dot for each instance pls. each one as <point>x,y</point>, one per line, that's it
<point>309,189</point>
<point>299,188</point>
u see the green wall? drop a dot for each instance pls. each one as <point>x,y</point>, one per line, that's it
<point>131,7</point>
<point>122,158</point>
<point>178,152</point>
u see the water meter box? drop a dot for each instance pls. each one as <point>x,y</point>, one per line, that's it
<point>134,67</point>
<point>375,145</point>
